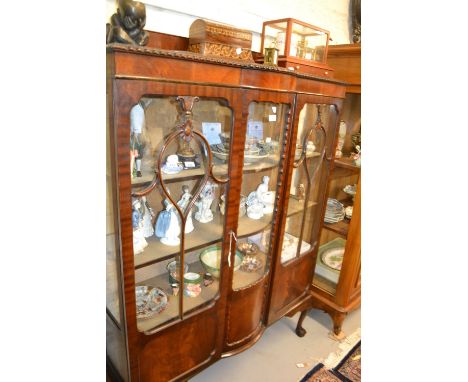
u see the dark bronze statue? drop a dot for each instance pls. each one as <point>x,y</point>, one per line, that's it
<point>356,12</point>
<point>127,24</point>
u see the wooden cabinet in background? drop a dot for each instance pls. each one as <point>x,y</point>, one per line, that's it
<point>336,286</point>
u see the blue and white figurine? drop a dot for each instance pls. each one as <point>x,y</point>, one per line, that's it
<point>167,225</point>
<point>139,241</point>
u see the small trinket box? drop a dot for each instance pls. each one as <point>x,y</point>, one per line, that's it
<point>207,279</point>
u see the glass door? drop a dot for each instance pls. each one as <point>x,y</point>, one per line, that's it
<point>264,142</point>
<point>342,189</point>
<point>313,145</point>
<point>178,181</point>
<point>262,150</point>
<point>309,164</point>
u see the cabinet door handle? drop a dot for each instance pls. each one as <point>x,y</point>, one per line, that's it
<point>231,235</point>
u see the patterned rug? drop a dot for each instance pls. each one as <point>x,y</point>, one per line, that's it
<point>348,370</point>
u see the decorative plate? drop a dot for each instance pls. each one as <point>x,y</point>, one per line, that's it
<point>149,301</point>
<point>251,264</point>
<point>333,257</point>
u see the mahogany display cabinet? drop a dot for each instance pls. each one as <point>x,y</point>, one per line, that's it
<point>336,287</point>
<point>216,178</point>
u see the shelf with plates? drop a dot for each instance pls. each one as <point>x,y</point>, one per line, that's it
<point>202,236</point>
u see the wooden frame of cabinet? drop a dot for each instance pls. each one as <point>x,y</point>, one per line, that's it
<point>342,298</point>
<point>235,318</point>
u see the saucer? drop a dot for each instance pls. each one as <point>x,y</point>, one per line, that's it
<point>169,170</point>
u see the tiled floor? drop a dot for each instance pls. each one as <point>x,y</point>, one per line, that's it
<point>274,357</point>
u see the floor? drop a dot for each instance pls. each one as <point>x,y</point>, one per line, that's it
<point>274,357</point>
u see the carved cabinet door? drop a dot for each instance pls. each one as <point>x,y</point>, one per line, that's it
<point>175,180</point>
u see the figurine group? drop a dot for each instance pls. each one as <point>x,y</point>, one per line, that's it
<point>261,201</point>
<point>168,223</point>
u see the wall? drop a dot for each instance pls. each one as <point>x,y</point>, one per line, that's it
<point>175,17</point>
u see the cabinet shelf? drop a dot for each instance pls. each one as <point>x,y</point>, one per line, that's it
<point>340,228</point>
<point>347,163</point>
<point>295,206</point>
<point>219,169</point>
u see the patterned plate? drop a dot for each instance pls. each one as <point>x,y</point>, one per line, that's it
<point>333,258</point>
<point>149,301</point>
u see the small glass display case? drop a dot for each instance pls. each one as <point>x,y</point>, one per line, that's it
<point>301,47</point>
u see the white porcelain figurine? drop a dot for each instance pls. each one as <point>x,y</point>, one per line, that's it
<point>204,213</point>
<point>341,139</point>
<point>139,241</point>
<point>137,143</point>
<point>148,215</point>
<point>183,203</point>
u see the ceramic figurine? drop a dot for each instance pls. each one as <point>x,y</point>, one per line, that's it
<point>127,24</point>
<point>137,144</point>
<point>357,156</point>
<point>139,241</point>
<point>341,139</point>
<point>183,203</point>
<point>204,213</point>
<point>148,215</point>
<point>167,225</point>
<point>300,194</point>
<point>267,198</point>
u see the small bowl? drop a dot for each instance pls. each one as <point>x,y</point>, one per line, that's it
<point>211,260</point>
<point>248,249</point>
<point>171,270</point>
<point>251,264</point>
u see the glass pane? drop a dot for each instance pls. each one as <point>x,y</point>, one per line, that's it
<point>307,43</point>
<point>275,37</point>
<point>302,217</point>
<point>264,140</point>
<point>177,215</point>
<point>112,264</point>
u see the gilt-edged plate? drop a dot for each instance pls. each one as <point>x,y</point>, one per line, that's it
<point>149,301</point>
<point>333,257</point>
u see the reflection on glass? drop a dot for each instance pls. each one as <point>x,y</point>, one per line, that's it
<point>112,279</point>
<point>175,204</point>
<point>264,140</point>
<point>312,142</point>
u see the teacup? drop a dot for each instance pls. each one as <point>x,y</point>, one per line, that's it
<point>172,161</point>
